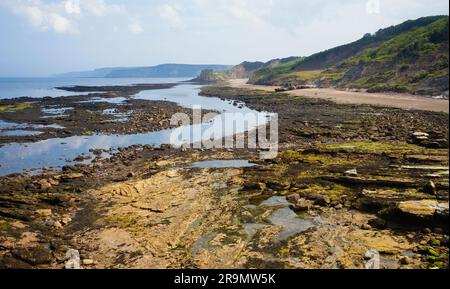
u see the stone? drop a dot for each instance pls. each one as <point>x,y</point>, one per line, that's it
<point>351,173</point>
<point>373,259</point>
<point>253,187</point>
<point>44,212</point>
<point>293,198</point>
<point>276,186</point>
<point>247,216</point>
<point>430,188</point>
<point>424,209</point>
<point>405,260</point>
<point>339,207</point>
<point>302,206</point>
<point>73,259</point>
<point>322,201</point>
<point>53,182</point>
<point>378,223</point>
<point>44,184</point>
<point>57,225</point>
<point>71,176</point>
<point>88,262</point>
<point>366,227</point>
<point>34,256</point>
<point>444,241</point>
<point>66,220</point>
<point>420,134</point>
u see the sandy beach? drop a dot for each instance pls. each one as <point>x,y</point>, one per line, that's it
<point>404,101</point>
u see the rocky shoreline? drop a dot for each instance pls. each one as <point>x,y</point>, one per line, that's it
<point>113,111</point>
<point>349,180</point>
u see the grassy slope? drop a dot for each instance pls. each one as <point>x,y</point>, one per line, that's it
<point>415,61</point>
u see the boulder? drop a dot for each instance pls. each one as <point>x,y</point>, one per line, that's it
<point>73,259</point>
<point>351,173</point>
<point>422,212</point>
<point>33,256</point>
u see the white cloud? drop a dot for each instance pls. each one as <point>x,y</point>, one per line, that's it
<point>135,28</point>
<point>45,17</point>
<point>72,6</point>
<point>246,11</point>
<point>63,16</point>
<point>170,14</point>
<point>58,23</point>
<point>100,8</point>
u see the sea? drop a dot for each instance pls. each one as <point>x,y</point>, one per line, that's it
<point>14,87</point>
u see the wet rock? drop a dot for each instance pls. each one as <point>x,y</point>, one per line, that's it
<point>302,206</point>
<point>405,260</point>
<point>430,188</point>
<point>71,176</point>
<point>423,208</point>
<point>44,212</point>
<point>322,201</point>
<point>68,168</point>
<point>33,256</point>
<point>278,186</point>
<point>422,212</point>
<point>9,262</point>
<point>96,152</point>
<point>73,259</point>
<point>253,187</point>
<point>378,223</point>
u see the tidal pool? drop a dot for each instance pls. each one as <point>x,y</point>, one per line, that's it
<point>58,152</point>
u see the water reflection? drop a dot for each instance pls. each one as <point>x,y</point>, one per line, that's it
<point>56,152</point>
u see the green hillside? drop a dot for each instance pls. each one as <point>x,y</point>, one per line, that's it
<point>411,57</point>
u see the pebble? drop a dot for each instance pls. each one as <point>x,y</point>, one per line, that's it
<point>405,260</point>
<point>66,220</point>
<point>351,173</point>
<point>44,212</point>
<point>88,262</point>
<point>366,227</point>
<point>57,225</point>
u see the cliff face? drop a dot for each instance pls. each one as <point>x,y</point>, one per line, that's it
<point>411,57</point>
<point>210,76</point>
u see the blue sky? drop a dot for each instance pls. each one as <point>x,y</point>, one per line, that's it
<point>42,37</point>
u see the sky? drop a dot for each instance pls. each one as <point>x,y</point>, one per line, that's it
<point>43,37</point>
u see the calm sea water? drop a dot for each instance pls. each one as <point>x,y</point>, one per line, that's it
<point>40,87</point>
<point>16,157</point>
